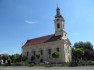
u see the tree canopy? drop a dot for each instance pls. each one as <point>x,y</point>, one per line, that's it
<point>56,55</point>
<point>32,58</point>
<point>24,58</point>
<point>85,48</point>
<point>38,55</point>
<point>4,57</point>
<point>84,45</point>
<point>15,58</point>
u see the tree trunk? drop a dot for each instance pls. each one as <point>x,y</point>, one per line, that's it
<point>56,62</point>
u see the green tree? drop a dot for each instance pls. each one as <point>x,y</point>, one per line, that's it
<point>24,58</point>
<point>89,46</point>
<point>38,55</point>
<point>78,53</point>
<point>0,57</point>
<point>15,58</point>
<point>56,55</point>
<point>85,45</point>
<point>32,58</point>
<point>88,49</point>
<point>5,58</point>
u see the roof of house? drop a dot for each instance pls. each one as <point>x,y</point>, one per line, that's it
<point>44,39</point>
<point>4,54</point>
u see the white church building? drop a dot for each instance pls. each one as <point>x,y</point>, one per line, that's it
<point>50,43</point>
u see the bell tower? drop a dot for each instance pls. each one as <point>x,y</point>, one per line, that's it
<point>59,24</point>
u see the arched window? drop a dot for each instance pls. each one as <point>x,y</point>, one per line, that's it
<point>27,53</point>
<point>63,26</point>
<point>34,53</point>
<point>57,49</point>
<point>57,19</point>
<point>49,51</point>
<point>58,25</point>
<point>41,51</point>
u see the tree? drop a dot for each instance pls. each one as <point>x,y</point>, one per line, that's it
<point>0,57</point>
<point>38,55</point>
<point>5,58</point>
<point>0,60</point>
<point>88,54</point>
<point>84,45</point>
<point>24,58</point>
<point>56,55</point>
<point>88,49</point>
<point>89,46</point>
<point>78,53</point>
<point>32,58</point>
<point>15,58</point>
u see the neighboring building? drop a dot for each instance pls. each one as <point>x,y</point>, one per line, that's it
<point>4,54</point>
<point>2,61</point>
<point>46,45</point>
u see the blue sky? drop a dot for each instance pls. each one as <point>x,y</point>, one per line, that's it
<point>21,20</point>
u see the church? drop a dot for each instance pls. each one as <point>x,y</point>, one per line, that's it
<point>49,44</point>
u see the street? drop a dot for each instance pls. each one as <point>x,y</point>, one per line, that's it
<point>46,68</point>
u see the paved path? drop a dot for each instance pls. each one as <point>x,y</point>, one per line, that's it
<point>46,68</point>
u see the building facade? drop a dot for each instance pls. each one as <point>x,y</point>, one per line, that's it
<point>49,44</point>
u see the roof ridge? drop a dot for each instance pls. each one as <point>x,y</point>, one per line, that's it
<point>41,37</point>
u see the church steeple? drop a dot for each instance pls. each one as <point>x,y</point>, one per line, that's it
<point>57,11</point>
<point>58,15</point>
<point>59,24</point>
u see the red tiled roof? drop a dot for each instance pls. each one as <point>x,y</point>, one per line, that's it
<point>4,55</point>
<point>43,39</point>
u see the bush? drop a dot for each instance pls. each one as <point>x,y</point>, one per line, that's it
<point>82,63</point>
<point>90,63</point>
<point>48,65</point>
<point>31,64</point>
<point>65,64</point>
<point>73,64</point>
<point>16,64</point>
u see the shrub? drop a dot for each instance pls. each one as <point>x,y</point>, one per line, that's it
<point>73,64</point>
<point>90,63</point>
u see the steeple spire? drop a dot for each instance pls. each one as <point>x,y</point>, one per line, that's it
<point>57,3</point>
<point>58,15</point>
<point>59,23</point>
<point>57,10</point>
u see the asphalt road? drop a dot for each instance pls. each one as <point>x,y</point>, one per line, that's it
<point>46,68</point>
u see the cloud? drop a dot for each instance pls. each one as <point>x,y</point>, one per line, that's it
<point>31,22</point>
<point>3,52</point>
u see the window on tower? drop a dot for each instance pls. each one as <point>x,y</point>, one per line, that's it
<point>58,25</point>
<point>57,19</point>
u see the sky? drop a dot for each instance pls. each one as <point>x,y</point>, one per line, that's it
<point>21,20</point>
